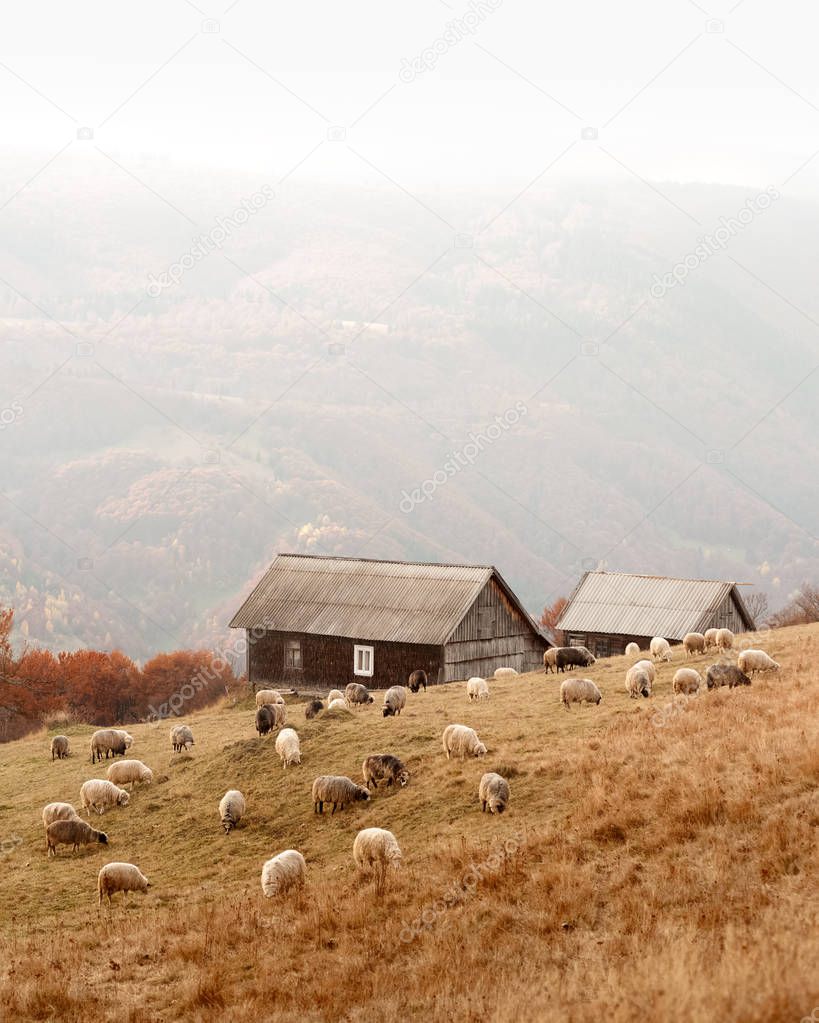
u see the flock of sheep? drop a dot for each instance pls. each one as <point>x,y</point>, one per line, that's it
<point>374,849</point>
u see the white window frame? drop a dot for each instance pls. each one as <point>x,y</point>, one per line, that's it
<point>365,655</point>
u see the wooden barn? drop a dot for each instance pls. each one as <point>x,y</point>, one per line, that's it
<point>326,621</point>
<point>610,609</point>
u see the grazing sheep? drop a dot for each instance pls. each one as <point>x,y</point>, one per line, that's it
<point>505,673</point>
<point>493,791</point>
<point>232,808</point>
<point>59,812</point>
<point>694,643</point>
<point>120,877</point>
<point>181,738</point>
<point>395,699</point>
<point>334,694</point>
<point>59,747</point>
<point>579,690</point>
<point>287,746</point>
<point>573,657</point>
<point>126,737</point>
<point>648,667</point>
<point>725,675</point>
<point>725,640</point>
<point>376,849</point>
<point>417,679</point>
<point>71,832</point>
<point>382,766</point>
<point>107,740</point>
<point>313,709</point>
<point>632,649</point>
<point>461,741</point>
<point>687,681</point>
<point>338,790</point>
<point>550,659</point>
<point>268,696</point>
<point>338,705</point>
<point>282,872</point>
<point>129,772</point>
<point>357,695</point>
<point>100,795</point>
<point>711,638</point>
<point>752,661</point>
<point>638,682</point>
<point>660,649</point>
<point>477,688</point>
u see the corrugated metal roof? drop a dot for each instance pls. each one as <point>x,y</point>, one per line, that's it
<point>645,605</point>
<point>391,601</point>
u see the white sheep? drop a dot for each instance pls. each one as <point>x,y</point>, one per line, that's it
<point>395,699</point>
<point>687,681</point>
<point>232,808</point>
<point>120,877</point>
<point>711,638</point>
<point>725,639</point>
<point>59,812</point>
<point>461,741</point>
<point>287,746</point>
<point>59,747</point>
<point>334,694</point>
<point>638,682</point>
<point>181,738</point>
<point>338,790</point>
<point>493,792</point>
<point>477,688</point>
<point>376,849</point>
<point>660,649</point>
<point>693,643</point>
<point>648,667</point>
<point>357,695</point>
<point>268,696</point>
<point>505,672</point>
<point>338,705</point>
<point>126,737</point>
<point>107,740</point>
<point>283,872</point>
<point>100,795</point>
<point>632,649</point>
<point>129,772</point>
<point>579,690</point>
<point>550,660</point>
<point>752,661</point>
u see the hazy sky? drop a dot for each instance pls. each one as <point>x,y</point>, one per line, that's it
<point>720,91</point>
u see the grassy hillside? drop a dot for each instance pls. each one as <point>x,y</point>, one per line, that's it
<point>658,861</point>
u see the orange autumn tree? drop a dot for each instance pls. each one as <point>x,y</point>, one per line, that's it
<point>551,616</point>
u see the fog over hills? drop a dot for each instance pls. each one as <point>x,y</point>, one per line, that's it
<point>160,445</point>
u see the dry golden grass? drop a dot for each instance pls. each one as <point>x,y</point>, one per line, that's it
<point>657,862</point>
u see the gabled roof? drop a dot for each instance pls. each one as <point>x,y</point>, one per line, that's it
<point>389,601</point>
<point>646,605</point>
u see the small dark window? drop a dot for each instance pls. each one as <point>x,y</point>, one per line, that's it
<point>602,648</point>
<point>577,639</point>
<point>292,654</point>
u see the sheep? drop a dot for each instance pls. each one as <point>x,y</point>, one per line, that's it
<point>126,737</point>
<point>505,673</point>
<point>313,709</point>
<point>265,719</point>
<point>725,640</point>
<point>129,772</point>
<point>376,849</point>
<point>395,699</point>
<point>59,812</point>
<point>579,690</point>
<point>120,877</point>
<point>287,746</point>
<point>648,667</point>
<point>752,661</point>
<point>356,695</point>
<point>694,643</point>
<point>59,747</point>
<point>338,790</point>
<point>282,872</point>
<point>711,638</point>
<point>107,740</point>
<point>338,705</point>
<point>181,738</point>
<point>384,765</point>
<point>725,675</point>
<point>334,694</point>
<point>660,649</point>
<point>74,832</point>
<point>417,679</point>
<point>268,696</point>
<point>493,791</point>
<point>232,808</point>
<point>638,682</point>
<point>550,660</point>
<point>687,681</point>
<point>100,795</point>
<point>573,656</point>
<point>477,688</point>
<point>632,649</point>
<point>460,740</point>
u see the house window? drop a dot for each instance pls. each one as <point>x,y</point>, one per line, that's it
<point>292,654</point>
<point>363,660</point>
<point>577,639</point>
<point>602,648</point>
